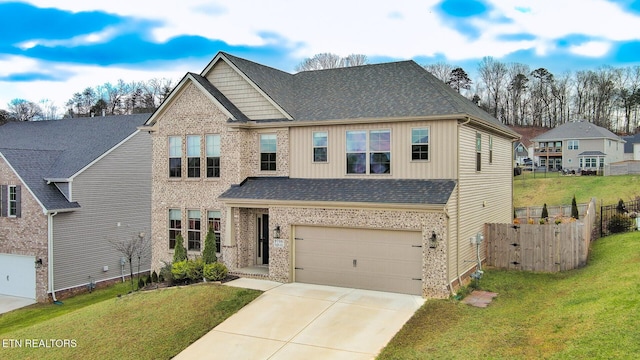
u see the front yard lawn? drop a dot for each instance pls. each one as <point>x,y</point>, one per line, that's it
<point>589,313</point>
<point>154,324</point>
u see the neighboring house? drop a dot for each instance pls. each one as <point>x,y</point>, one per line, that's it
<point>373,177</point>
<point>632,147</point>
<point>67,188</point>
<point>520,153</point>
<point>578,145</point>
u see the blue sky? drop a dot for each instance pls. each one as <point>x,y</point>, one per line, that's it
<point>50,49</point>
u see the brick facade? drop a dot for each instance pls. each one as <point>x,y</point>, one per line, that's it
<point>26,235</point>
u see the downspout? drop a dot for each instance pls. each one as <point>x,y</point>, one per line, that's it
<point>50,254</point>
<point>458,202</point>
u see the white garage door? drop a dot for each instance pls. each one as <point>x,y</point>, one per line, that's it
<point>383,260</point>
<point>18,275</point>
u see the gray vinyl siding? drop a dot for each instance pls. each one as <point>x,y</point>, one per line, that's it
<point>114,190</point>
<point>244,96</point>
<point>485,196</point>
<point>65,189</point>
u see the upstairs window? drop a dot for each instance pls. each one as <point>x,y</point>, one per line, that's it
<point>213,156</point>
<point>490,149</point>
<point>268,151</point>
<point>175,226</point>
<point>10,200</point>
<point>214,224</point>
<point>368,152</point>
<point>175,156</point>
<point>193,156</point>
<point>478,151</point>
<point>320,143</point>
<point>193,233</point>
<point>573,144</point>
<point>420,144</point>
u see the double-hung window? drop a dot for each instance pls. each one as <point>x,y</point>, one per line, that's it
<point>10,201</point>
<point>193,156</point>
<point>478,151</point>
<point>268,151</point>
<point>193,232</point>
<point>573,144</point>
<point>213,155</point>
<point>175,226</point>
<point>175,156</point>
<point>214,224</point>
<point>420,144</point>
<point>368,152</point>
<point>320,143</point>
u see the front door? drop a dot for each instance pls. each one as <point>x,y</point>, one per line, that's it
<point>262,256</point>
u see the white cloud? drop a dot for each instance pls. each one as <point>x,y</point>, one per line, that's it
<point>591,48</point>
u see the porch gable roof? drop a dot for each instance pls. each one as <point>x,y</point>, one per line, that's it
<point>371,191</point>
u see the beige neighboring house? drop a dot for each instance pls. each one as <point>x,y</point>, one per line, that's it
<point>374,177</point>
<point>66,188</point>
<point>578,145</point>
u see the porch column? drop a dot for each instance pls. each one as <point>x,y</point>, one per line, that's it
<point>229,228</point>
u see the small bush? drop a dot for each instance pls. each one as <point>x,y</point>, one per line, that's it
<point>542,221</point>
<point>179,270</point>
<point>179,252</point>
<point>165,273</point>
<point>574,208</point>
<point>194,269</point>
<point>531,221</point>
<point>160,278</point>
<point>140,282</point>
<point>209,252</point>
<point>619,223</point>
<point>154,277</point>
<point>147,280</point>
<point>215,272</point>
<point>545,212</point>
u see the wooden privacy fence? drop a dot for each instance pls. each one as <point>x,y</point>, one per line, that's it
<point>544,248</point>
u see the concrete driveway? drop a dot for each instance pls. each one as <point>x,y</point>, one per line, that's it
<point>9,303</point>
<point>303,321</point>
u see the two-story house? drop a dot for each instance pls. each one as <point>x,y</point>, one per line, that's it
<point>578,145</point>
<point>375,176</point>
<point>68,188</point>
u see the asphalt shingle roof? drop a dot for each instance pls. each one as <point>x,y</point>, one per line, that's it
<point>576,130</point>
<point>397,89</point>
<point>58,149</point>
<point>381,191</point>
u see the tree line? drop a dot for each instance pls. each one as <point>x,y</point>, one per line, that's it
<point>512,92</point>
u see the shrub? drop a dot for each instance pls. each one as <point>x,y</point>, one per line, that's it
<point>619,223</point>
<point>179,270</point>
<point>179,252</point>
<point>194,269</point>
<point>140,282</point>
<point>165,273</point>
<point>621,207</point>
<point>209,252</point>
<point>147,280</point>
<point>161,278</point>
<point>542,221</point>
<point>154,277</point>
<point>545,212</point>
<point>574,208</point>
<point>215,272</point>
<point>531,221</point>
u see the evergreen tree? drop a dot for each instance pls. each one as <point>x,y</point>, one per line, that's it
<point>459,79</point>
<point>545,212</point>
<point>179,253</point>
<point>209,252</point>
<point>574,208</point>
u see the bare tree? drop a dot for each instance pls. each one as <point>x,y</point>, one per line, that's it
<point>136,247</point>
<point>49,110</point>
<point>517,92</point>
<point>5,117</point>
<point>440,70</point>
<point>493,74</point>
<point>629,95</point>
<point>542,82</point>
<point>23,110</point>
<point>331,61</point>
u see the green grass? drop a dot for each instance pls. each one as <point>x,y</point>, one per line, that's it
<point>559,190</point>
<point>589,313</point>
<point>144,325</point>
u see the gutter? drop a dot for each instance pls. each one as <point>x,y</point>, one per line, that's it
<point>50,254</point>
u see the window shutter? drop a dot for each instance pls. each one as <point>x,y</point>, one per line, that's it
<point>3,199</point>
<point>18,201</point>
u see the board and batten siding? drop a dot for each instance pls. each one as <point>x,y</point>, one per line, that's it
<point>244,96</point>
<point>485,196</point>
<point>442,151</point>
<point>116,190</point>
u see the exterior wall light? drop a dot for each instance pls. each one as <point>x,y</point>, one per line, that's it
<point>38,263</point>
<point>276,232</point>
<point>433,240</point>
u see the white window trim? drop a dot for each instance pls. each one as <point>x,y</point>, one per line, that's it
<point>313,147</point>
<point>428,143</point>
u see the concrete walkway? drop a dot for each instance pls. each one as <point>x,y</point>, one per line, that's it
<point>303,321</point>
<point>10,303</point>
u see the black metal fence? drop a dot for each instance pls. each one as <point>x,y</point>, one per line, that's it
<point>620,217</point>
